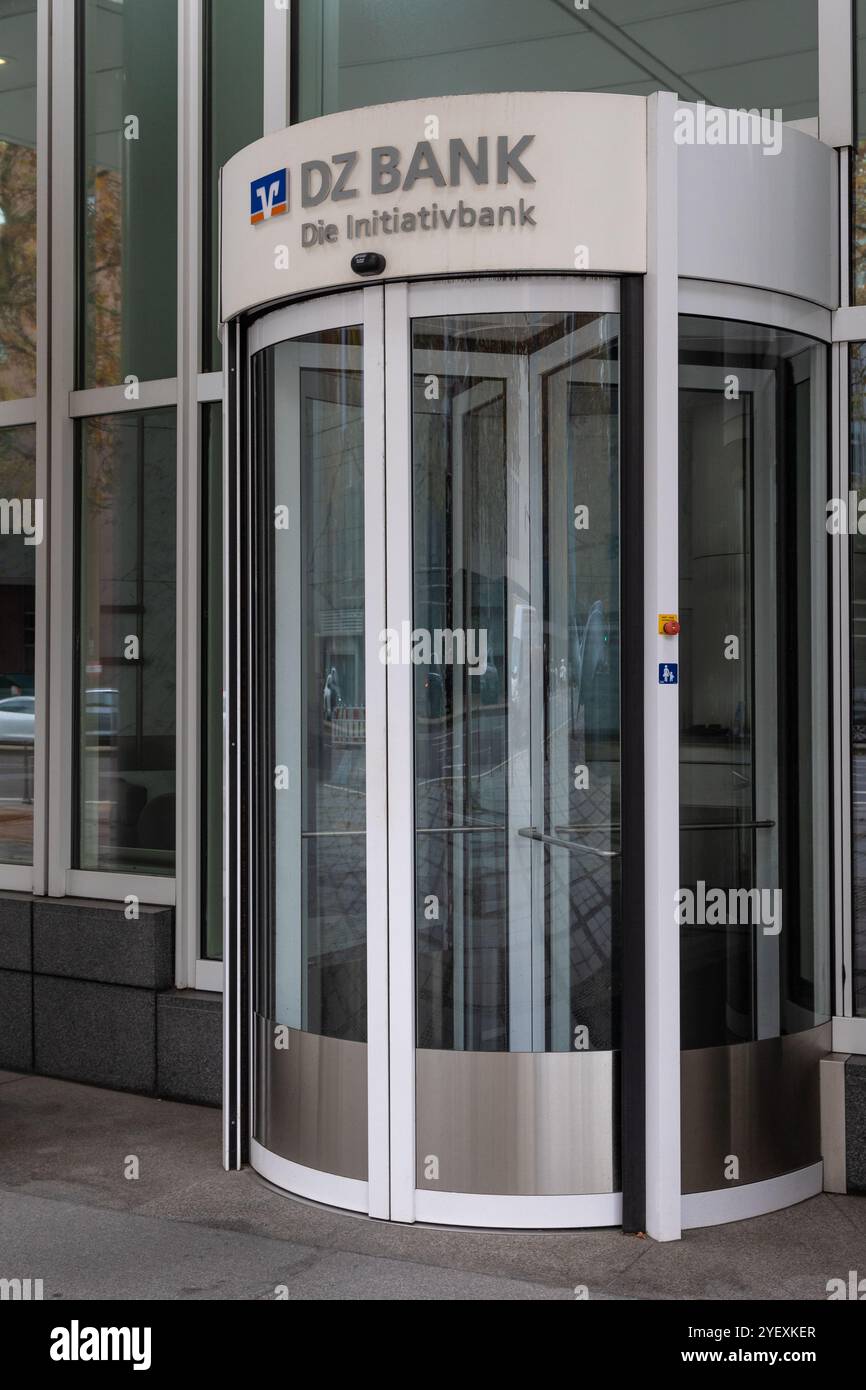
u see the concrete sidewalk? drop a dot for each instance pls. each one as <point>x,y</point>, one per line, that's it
<point>186,1229</point>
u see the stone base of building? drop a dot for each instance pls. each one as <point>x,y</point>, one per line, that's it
<point>855,1123</point>
<point>88,996</point>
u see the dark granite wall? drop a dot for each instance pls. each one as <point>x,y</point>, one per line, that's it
<point>87,995</point>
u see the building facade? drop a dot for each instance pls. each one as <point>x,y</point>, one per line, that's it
<point>463,641</point>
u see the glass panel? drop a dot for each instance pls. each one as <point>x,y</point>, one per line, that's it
<point>212,683</point>
<point>234,103</point>
<point>17,199</point>
<point>516,650</point>
<point>751,53</point>
<point>21,530</point>
<point>755,949</point>
<point>126,643</point>
<point>128,191</point>
<point>313,428</point>
<point>858,677</point>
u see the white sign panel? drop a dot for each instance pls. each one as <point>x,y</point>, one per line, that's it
<point>535,181</point>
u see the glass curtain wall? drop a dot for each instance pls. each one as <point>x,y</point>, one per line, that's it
<point>18,222</point>
<point>233,111</point>
<point>751,53</point>
<point>233,100</point>
<point>127,328</point>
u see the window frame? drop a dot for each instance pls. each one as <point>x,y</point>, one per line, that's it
<point>59,34</point>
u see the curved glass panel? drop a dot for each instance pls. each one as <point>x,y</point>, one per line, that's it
<point>754,853</point>
<point>311,434</point>
<point>516,652</point>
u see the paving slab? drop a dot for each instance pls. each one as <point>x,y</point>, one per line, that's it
<point>90,1253</point>
<point>65,1152</point>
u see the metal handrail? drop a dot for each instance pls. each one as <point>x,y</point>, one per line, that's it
<point>459,829</point>
<point>530,833</point>
<point>328,834</point>
<point>732,825</point>
<point>701,825</point>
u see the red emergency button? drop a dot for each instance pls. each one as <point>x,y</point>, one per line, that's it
<point>671,627</point>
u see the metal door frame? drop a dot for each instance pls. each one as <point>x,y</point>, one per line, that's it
<point>403,303</point>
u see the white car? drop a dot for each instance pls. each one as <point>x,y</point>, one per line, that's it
<point>17,719</point>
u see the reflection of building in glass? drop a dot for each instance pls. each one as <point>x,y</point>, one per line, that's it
<point>128,688</point>
<point>18,220</point>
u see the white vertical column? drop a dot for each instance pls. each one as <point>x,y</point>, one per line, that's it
<point>376,695</point>
<point>841,687</point>
<point>43,437</point>
<point>661,702</point>
<point>62,466</point>
<point>277,59</point>
<point>188,540</point>
<point>836,72</point>
<point>401,777</point>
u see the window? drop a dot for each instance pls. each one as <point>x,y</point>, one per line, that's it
<point>748,53</point>
<point>234,102</point>
<point>20,532</point>
<point>212,684</point>
<point>753,695</point>
<point>128,191</point>
<point>126,643</point>
<point>17,199</point>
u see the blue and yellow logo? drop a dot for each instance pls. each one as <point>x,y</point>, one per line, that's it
<point>269,196</point>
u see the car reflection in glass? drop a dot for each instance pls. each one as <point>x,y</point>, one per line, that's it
<point>102,711</point>
<point>17,719</point>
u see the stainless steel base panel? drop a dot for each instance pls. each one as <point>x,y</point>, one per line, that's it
<point>517,1123</point>
<point>311,1100</point>
<point>751,1111</point>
